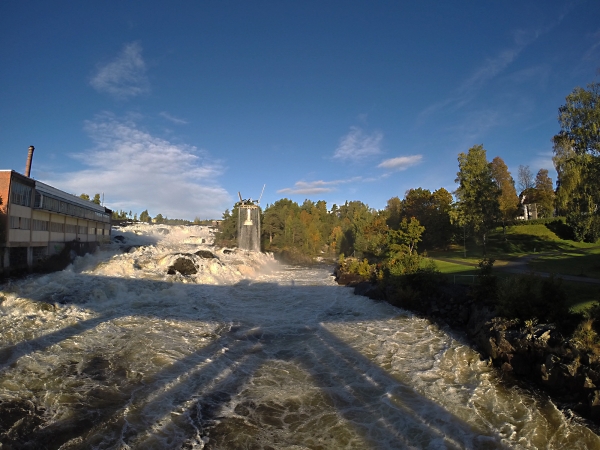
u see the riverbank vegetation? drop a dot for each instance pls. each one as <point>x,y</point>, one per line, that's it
<point>485,257</point>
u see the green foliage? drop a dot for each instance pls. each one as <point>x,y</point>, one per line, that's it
<point>159,218</point>
<point>432,210</point>
<point>145,216</point>
<point>227,233</point>
<point>486,282</point>
<point>477,193</point>
<point>577,161</point>
<point>544,194</point>
<point>531,296</point>
<point>96,199</point>
<point>84,197</point>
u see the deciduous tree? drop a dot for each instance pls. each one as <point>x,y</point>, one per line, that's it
<point>544,194</point>
<point>577,157</point>
<point>477,192</point>
<point>508,201</point>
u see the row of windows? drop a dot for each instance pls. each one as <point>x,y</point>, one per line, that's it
<point>23,223</point>
<point>53,204</point>
<point>20,223</point>
<point>20,194</point>
<point>40,225</point>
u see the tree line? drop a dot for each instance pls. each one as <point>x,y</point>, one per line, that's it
<point>144,216</point>
<point>486,197</point>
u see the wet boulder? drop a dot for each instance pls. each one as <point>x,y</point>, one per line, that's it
<point>205,254</point>
<point>183,265</point>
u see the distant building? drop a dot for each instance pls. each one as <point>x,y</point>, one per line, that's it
<point>38,221</point>
<point>527,211</point>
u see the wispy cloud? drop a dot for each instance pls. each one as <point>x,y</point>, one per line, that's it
<point>489,69</point>
<point>593,52</point>
<point>125,76</point>
<point>138,171</point>
<point>357,145</point>
<point>173,119</point>
<point>401,162</point>
<point>315,187</point>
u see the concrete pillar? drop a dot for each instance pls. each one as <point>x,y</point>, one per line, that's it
<point>30,257</point>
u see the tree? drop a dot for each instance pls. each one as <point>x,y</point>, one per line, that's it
<point>508,201</point>
<point>577,154</point>
<point>85,197</point>
<point>432,211</point>
<point>477,193</point>
<point>144,216</point>
<point>579,119</point>
<point>159,218</point>
<point>544,194</point>
<point>525,179</point>
<point>96,199</point>
<point>394,212</point>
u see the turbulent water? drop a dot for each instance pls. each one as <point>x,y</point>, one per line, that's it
<point>115,353</point>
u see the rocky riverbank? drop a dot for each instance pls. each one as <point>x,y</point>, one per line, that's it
<point>539,353</point>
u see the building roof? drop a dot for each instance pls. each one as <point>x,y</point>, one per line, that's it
<point>50,191</point>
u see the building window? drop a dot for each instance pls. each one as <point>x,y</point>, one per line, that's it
<point>57,227</point>
<point>20,194</point>
<point>70,228</point>
<point>38,200</point>
<point>40,225</point>
<point>14,222</point>
<point>82,230</point>
<point>25,223</point>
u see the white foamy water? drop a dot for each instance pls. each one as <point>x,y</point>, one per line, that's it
<point>114,353</point>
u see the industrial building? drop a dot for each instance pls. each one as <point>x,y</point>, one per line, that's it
<point>38,221</point>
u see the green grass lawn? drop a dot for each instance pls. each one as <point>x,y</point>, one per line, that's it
<point>557,255</point>
<point>583,263</point>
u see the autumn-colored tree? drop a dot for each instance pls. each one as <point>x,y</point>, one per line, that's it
<point>508,201</point>
<point>544,194</point>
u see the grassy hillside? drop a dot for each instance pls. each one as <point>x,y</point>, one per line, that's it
<point>547,250</point>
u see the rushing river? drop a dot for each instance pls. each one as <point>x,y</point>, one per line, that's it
<point>114,353</point>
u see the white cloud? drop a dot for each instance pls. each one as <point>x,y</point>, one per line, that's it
<point>125,76</point>
<point>315,187</point>
<point>401,162</point>
<point>138,171</point>
<point>173,119</point>
<point>357,145</point>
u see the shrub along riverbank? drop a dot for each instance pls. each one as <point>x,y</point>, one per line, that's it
<point>522,323</point>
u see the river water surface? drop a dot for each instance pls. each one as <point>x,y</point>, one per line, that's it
<point>114,353</point>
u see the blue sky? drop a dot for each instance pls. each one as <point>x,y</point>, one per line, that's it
<point>177,106</point>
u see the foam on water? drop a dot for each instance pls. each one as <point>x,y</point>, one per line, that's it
<point>245,353</point>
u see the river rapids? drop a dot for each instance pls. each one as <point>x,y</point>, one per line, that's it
<point>121,351</point>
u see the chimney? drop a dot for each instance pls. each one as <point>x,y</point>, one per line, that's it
<point>29,158</point>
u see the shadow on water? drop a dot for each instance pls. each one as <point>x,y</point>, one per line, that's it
<point>195,389</point>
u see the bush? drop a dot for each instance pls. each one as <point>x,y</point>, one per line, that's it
<point>561,229</point>
<point>531,296</point>
<point>486,282</point>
